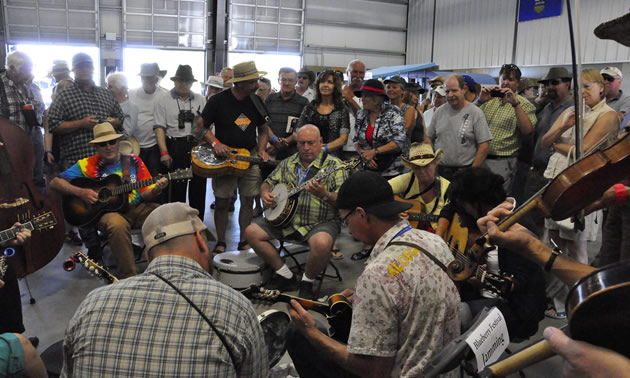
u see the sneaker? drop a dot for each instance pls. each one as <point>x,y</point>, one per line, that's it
<point>280,283</point>
<point>306,290</point>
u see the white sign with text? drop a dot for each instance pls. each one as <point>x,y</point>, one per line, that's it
<point>489,339</point>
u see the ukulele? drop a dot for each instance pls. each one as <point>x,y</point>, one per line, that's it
<point>112,196</point>
<point>338,310</point>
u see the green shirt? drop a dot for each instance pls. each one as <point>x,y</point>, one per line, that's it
<point>311,210</point>
<point>501,117</point>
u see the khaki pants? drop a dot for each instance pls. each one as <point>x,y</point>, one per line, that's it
<point>117,227</point>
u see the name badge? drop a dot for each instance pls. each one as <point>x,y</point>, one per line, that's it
<point>489,339</point>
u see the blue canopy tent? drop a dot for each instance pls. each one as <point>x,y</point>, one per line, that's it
<point>424,71</point>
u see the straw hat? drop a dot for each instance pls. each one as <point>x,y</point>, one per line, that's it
<point>421,155</point>
<point>214,81</point>
<point>104,132</point>
<point>129,146</point>
<point>245,71</point>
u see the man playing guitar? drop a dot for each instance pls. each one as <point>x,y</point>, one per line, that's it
<point>423,185</point>
<point>109,160</point>
<point>316,220</point>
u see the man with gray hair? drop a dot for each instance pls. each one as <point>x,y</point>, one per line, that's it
<point>614,95</point>
<point>21,103</point>
<point>145,98</point>
<point>117,84</point>
<point>185,322</point>
<point>460,130</point>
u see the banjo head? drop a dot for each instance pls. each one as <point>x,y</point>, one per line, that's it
<point>599,306</point>
<point>207,156</point>
<point>281,191</point>
<point>275,324</point>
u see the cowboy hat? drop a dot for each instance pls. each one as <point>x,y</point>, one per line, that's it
<point>104,132</point>
<point>421,155</point>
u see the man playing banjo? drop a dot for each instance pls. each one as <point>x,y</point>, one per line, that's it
<point>316,220</point>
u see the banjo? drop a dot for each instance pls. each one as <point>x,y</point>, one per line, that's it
<point>285,202</point>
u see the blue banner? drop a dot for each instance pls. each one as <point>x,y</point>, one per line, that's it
<point>535,9</point>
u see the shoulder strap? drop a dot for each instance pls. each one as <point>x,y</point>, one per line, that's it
<point>221,337</point>
<point>260,107</point>
<point>415,246</point>
<point>126,168</point>
<point>413,178</point>
<point>4,108</point>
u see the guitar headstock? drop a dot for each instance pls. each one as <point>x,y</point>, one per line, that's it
<point>352,163</point>
<point>181,174</point>
<point>44,221</point>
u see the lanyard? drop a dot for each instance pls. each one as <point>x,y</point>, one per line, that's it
<point>300,177</point>
<point>400,233</point>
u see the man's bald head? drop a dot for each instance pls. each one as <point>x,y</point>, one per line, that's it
<point>309,143</point>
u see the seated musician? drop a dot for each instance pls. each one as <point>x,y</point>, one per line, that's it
<point>405,307</point>
<point>423,184</point>
<point>108,160</point>
<point>316,220</point>
<point>472,193</point>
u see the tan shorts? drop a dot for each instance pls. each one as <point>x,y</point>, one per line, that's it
<point>248,185</point>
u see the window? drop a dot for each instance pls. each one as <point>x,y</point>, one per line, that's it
<point>270,63</point>
<point>168,60</point>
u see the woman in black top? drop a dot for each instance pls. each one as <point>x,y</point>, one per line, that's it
<point>327,112</point>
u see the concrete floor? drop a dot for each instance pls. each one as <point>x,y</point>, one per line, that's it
<point>58,293</point>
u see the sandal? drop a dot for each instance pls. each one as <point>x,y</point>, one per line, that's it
<point>553,314</point>
<point>244,245</point>
<point>362,254</point>
<point>336,254</point>
<point>216,249</point>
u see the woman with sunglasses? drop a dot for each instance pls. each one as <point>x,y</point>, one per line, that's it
<point>599,130</point>
<point>327,112</point>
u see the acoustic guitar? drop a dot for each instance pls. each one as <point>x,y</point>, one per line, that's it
<point>206,163</point>
<point>286,196</point>
<point>90,265</point>
<point>43,221</point>
<point>338,310</point>
<point>417,217</point>
<point>112,196</point>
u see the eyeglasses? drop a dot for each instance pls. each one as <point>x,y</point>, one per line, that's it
<point>109,142</point>
<point>285,80</point>
<point>608,78</point>
<point>344,220</point>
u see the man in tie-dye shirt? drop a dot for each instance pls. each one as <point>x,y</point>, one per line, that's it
<point>116,225</point>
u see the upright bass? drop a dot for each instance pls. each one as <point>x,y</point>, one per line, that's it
<point>21,201</point>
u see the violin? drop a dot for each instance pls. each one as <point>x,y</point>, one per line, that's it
<point>21,201</point>
<point>577,186</point>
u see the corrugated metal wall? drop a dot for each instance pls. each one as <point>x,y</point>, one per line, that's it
<point>546,41</point>
<point>472,34</point>
<point>337,31</point>
<point>420,26</point>
<point>480,34</point>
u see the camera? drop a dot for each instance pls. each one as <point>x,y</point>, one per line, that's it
<point>497,93</point>
<point>183,117</point>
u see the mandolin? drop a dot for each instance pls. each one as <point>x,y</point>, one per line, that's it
<point>338,310</point>
<point>112,196</point>
<point>206,163</point>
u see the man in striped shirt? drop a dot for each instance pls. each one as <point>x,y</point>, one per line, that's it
<point>316,220</point>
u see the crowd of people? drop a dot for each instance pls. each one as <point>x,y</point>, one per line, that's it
<point>456,154</point>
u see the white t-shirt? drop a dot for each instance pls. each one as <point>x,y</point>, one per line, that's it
<point>145,103</point>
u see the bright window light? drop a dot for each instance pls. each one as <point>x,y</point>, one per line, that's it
<point>168,60</point>
<point>269,63</point>
<point>43,57</point>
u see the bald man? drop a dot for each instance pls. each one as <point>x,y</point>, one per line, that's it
<point>316,220</point>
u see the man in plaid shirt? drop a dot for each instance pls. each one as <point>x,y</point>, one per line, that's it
<point>316,219</point>
<point>147,326</point>
<point>78,108</point>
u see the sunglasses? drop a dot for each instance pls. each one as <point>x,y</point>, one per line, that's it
<point>344,220</point>
<point>555,82</point>
<point>109,142</point>
<point>510,67</point>
<point>609,79</point>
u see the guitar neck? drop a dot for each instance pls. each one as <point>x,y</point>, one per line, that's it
<point>255,160</point>
<point>319,176</point>
<point>320,307</point>
<point>422,217</point>
<point>126,188</point>
<point>9,234</point>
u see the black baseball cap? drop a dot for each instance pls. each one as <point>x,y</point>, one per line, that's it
<point>372,192</point>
